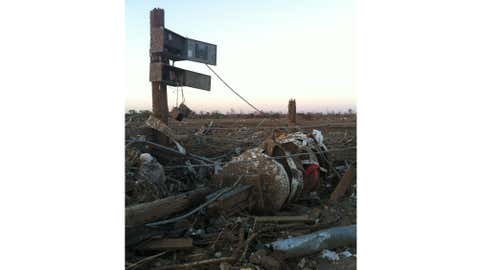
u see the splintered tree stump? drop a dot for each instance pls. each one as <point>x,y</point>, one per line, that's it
<point>292,112</point>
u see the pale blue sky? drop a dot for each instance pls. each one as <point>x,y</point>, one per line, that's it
<point>269,51</point>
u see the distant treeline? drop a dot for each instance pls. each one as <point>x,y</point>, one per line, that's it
<point>271,114</point>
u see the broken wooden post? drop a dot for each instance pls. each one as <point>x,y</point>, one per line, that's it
<point>343,185</point>
<point>292,113</point>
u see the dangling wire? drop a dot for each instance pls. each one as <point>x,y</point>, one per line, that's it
<point>178,84</point>
<point>183,96</point>
<point>235,92</point>
<point>176,90</point>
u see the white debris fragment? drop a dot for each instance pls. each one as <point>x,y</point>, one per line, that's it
<point>218,167</point>
<point>317,134</point>
<point>180,148</point>
<point>345,254</point>
<point>225,266</point>
<point>150,170</point>
<point>146,158</point>
<point>302,262</point>
<point>330,255</point>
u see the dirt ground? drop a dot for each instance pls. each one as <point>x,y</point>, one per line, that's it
<point>219,236</point>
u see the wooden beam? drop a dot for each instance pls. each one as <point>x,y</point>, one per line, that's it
<point>158,243</point>
<point>284,219</point>
<point>143,213</point>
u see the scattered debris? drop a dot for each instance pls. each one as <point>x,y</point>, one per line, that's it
<point>268,262</point>
<point>204,129</point>
<point>250,192</point>
<point>301,264</point>
<point>281,170</point>
<point>237,198</point>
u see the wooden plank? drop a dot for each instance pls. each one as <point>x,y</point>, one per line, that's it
<point>283,219</point>
<point>158,243</point>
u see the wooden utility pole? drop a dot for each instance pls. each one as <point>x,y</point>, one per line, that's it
<point>167,45</point>
<point>159,88</point>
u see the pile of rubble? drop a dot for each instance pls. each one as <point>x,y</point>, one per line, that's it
<point>285,203</point>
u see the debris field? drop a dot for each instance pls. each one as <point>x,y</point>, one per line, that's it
<point>240,192</point>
